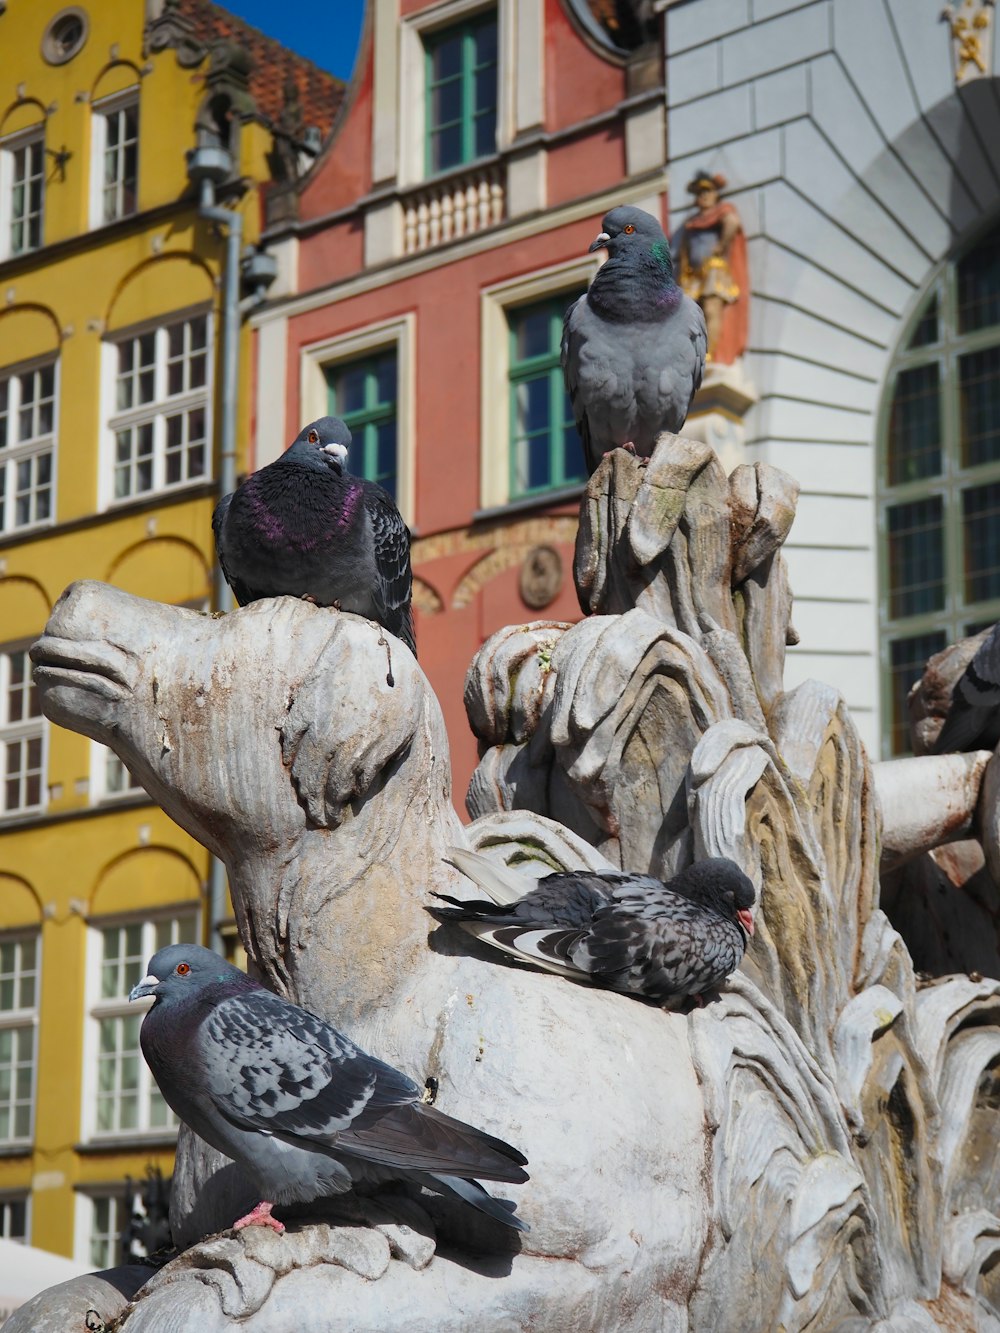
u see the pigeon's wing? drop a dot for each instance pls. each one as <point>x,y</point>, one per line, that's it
<point>660,944</point>
<point>392,563</point>
<point>276,1069</point>
<point>975,700</point>
<point>569,355</point>
<point>241,592</point>
<point>680,355</point>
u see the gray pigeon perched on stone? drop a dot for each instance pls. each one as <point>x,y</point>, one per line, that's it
<point>634,345</point>
<point>301,1108</point>
<point>303,527</point>
<point>626,932</point>
<point>973,721</point>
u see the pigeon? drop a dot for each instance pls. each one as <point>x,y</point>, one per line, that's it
<point>304,527</point>
<point>634,345</point>
<point>296,1103</point>
<point>973,721</point>
<point>625,932</point>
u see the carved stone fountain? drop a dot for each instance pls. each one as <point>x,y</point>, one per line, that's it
<point>812,1150</point>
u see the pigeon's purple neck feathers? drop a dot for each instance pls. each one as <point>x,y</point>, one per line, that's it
<point>636,287</point>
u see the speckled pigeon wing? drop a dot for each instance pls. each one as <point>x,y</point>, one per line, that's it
<point>276,1069</point>
<point>391,537</point>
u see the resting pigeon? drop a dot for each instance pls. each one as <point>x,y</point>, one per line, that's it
<point>301,1108</point>
<point>973,721</point>
<point>633,346</point>
<point>625,932</point>
<point>303,527</point>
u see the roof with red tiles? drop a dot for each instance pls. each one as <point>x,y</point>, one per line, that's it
<point>320,93</point>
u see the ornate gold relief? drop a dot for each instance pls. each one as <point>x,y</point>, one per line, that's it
<point>971,38</point>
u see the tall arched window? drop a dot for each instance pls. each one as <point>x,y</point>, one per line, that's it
<point>939,478</point>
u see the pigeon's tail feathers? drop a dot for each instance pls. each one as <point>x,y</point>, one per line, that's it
<point>543,946</point>
<point>504,886</point>
<point>416,1137</point>
<point>470,909</point>
<point>501,1210</point>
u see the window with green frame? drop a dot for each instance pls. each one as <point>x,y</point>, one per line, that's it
<point>545,448</point>
<point>461,81</point>
<point>363,394</point>
<point>939,478</point>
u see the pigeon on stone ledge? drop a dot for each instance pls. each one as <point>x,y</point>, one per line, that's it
<point>303,1110</point>
<point>973,721</point>
<point>625,932</point>
<point>303,527</point>
<point>634,345</point>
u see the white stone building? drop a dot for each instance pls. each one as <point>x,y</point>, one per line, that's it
<point>861,142</point>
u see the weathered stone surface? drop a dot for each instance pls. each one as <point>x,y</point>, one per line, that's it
<point>813,1149</point>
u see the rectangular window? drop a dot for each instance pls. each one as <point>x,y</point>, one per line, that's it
<point>22,736</point>
<point>27,447</point>
<point>126,1099</point>
<point>916,557</point>
<point>14,1218</point>
<point>109,777</point>
<point>979,406</point>
<point>907,661</point>
<point>915,425</point>
<point>22,193</point>
<point>364,394</point>
<point>19,957</point>
<point>461,82</point>
<point>981,535</point>
<point>159,425</point>
<point>116,151</point>
<point>545,448</point>
<point>109,1213</point>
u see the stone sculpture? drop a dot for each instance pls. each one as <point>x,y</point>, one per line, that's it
<point>811,1150</point>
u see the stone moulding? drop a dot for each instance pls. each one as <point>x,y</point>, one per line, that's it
<point>807,1150</point>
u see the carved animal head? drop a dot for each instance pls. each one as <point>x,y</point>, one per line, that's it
<point>256,725</point>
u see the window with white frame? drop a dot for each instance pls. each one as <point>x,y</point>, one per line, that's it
<point>15,1217</point>
<point>27,446</point>
<point>19,958</point>
<point>108,1214</point>
<point>159,419</point>
<point>124,1099</point>
<point>115,158</point>
<point>22,192</point>
<point>109,777</point>
<point>22,735</point>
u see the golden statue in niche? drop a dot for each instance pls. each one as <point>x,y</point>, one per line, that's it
<point>711,254</point>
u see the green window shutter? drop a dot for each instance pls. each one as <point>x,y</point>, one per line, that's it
<point>460,78</point>
<point>364,394</point>
<point>545,449</point>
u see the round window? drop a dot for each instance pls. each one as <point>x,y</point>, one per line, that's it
<point>65,36</point>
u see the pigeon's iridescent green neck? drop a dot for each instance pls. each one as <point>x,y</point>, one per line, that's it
<point>661,253</point>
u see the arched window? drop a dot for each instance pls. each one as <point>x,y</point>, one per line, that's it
<point>939,478</point>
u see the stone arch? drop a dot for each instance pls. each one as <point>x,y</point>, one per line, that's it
<point>155,876</point>
<point>24,607</point>
<point>426,599</point>
<point>166,569</point>
<point>166,282</point>
<point>22,114</point>
<point>22,906</point>
<point>117,76</point>
<point>33,329</point>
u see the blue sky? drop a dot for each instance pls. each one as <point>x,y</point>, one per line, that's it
<point>327,33</point>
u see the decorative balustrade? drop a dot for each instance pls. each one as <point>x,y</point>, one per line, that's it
<point>445,210</point>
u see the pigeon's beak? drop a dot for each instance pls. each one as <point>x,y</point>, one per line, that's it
<point>599,242</point>
<point>144,988</point>
<point>744,917</point>
<point>338,452</point>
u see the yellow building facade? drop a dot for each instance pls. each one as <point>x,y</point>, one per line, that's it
<point>111,291</point>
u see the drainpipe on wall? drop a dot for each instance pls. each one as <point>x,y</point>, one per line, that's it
<point>208,167</point>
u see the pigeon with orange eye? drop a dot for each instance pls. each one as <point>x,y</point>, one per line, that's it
<point>304,1111</point>
<point>303,526</point>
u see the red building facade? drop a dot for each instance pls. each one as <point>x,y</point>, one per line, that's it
<point>425,263</point>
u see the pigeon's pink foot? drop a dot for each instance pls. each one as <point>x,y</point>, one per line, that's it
<point>629,447</point>
<point>260,1217</point>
